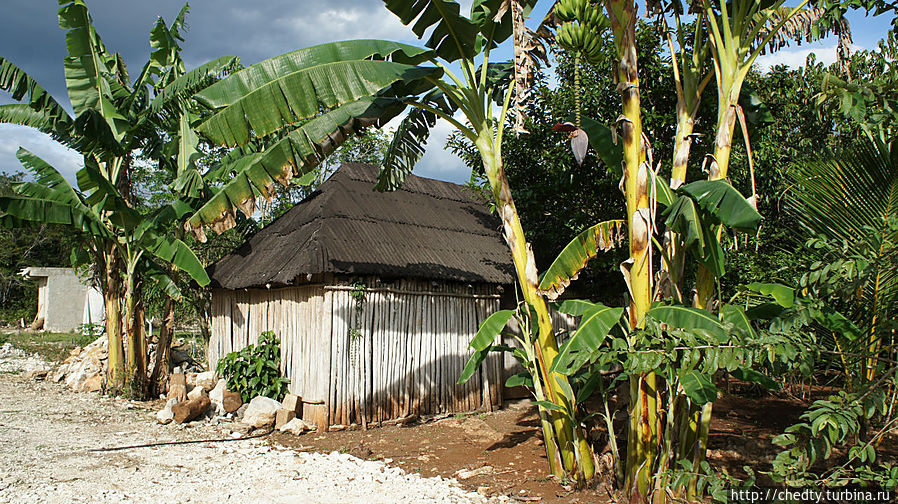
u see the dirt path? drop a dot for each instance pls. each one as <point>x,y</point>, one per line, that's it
<point>47,432</point>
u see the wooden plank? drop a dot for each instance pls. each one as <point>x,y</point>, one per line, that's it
<point>397,386</point>
<point>498,375</point>
<point>451,352</point>
<point>323,375</point>
<point>408,361</point>
<point>338,368</point>
<point>445,371</point>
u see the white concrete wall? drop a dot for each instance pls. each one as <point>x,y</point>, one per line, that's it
<point>63,299</point>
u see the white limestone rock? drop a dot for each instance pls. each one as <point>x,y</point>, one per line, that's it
<point>261,412</point>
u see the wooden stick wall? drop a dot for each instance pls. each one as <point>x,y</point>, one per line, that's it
<point>375,354</point>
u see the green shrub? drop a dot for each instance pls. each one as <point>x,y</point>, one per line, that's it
<point>255,370</point>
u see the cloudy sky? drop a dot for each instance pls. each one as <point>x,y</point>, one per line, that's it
<point>32,40</point>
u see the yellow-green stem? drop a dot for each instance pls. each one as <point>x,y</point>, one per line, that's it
<point>115,365</point>
<point>642,445</point>
<point>576,454</point>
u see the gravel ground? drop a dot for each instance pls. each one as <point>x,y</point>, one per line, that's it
<point>47,432</point>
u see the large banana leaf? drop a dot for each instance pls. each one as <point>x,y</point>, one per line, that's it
<point>407,146</point>
<point>595,324</point>
<point>452,35</point>
<point>47,211</point>
<point>489,330</point>
<point>163,282</point>
<point>175,252</point>
<point>191,82</point>
<point>689,319</point>
<point>88,68</point>
<point>297,153</point>
<point>188,180</point>
<point>723,203</point>
<point>573,258</point>
<point>685,218</point>
<point>39,110</point>
<point>21,86</point>
<point>288,88</point>
<point>48,182</point>
<point>302,94</point>
<point>39,119</point>
<point>406,149</point>
<point>165,43</point>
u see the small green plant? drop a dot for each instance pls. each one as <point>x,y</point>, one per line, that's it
<point>355,334</point>
<point>255,370</point>
<point>91,330</point>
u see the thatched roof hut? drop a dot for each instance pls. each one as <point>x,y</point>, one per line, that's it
<point>374,296</point>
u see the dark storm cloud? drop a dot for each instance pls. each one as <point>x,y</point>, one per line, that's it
<point>31,37</point>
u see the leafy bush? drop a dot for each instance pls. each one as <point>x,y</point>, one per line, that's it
<point>858,421</point>
<point>255,370</point>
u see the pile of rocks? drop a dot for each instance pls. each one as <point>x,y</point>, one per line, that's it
<point>196,396</point>
<point>14,360</point>
<point>84,370</point>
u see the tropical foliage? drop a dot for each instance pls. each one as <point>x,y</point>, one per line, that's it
<point>649,108</point>
<point>114,120</point>
<point>255,370</point>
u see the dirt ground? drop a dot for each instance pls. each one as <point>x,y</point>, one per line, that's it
<point>47,433</point>
<point>61,447</point>
<point>504,455</point>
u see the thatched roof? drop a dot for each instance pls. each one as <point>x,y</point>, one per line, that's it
<point>427,229</point>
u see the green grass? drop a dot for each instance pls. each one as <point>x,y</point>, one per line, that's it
<point>51,346</point>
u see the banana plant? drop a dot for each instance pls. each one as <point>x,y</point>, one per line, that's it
<point>114,121</point>
<point>111,228</point>
<point>738,33</point>
<point>693,211</point>
<point>468,41</point>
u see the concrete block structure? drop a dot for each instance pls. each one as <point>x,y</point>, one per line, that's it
<point>65,301</point>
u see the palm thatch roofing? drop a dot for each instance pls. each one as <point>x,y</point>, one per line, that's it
<point>428,229</point>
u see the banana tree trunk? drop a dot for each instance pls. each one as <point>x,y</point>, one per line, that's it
<point>157,381</point>
<point>674,259</point>
<point>566,444</point>
<point>718,168</point>
<point>136,364</point>
<point>112,298</point>
<point>644,417</point>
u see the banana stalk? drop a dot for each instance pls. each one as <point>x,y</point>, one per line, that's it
<point>689,85</point>
<point>115,370</point>
<point>136,354</point>
<point>642,445</point>
<point>736,42</point>
<point>575,453</point>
